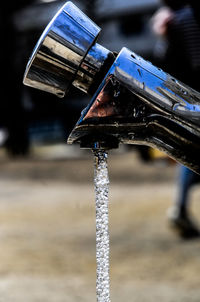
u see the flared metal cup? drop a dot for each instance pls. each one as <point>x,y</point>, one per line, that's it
<point>60,52</point>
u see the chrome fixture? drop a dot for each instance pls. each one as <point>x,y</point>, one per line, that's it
<point>133,101</point>
<point>66,54</point>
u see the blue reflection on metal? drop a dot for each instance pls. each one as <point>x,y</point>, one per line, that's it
<point>155,87</point>
<point>61,50</point>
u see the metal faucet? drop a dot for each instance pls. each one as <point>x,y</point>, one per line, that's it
<point>133,102</point>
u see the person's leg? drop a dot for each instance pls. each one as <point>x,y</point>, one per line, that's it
<point>185,181</point>
<point>178,214</point>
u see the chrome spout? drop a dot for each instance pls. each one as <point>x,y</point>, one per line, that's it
<point>138,103</point>
<point>133,101</point>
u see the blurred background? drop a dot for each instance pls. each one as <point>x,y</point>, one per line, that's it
<point>47,211</point>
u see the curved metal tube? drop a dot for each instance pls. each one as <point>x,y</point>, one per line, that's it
<point>138,103</point>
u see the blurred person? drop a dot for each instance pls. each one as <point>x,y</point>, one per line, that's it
<point>178,214</point>
<point>177,25</point>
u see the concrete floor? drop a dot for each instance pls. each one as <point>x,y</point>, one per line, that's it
<point>47,233</point>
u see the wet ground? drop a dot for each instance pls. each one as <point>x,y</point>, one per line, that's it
<point>47,232</point>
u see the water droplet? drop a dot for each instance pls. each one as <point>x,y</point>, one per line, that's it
<point>174,80</point>
<point>116,93</point>
<point>139,71</point>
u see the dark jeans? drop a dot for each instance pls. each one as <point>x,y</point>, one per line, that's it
<point>186,179</point>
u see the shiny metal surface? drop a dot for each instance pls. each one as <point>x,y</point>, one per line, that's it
<point>135,103</point>
<point>157,88</point>
<point>91,67</point>
<point>153,87</point>
<point>138,103</point>
<point>61,50</point>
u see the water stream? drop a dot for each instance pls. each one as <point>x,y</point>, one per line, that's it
<point>101,183</point>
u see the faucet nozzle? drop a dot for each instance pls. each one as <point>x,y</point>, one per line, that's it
<point>133,101</point>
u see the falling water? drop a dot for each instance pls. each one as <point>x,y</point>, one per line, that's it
<point>101,182</point>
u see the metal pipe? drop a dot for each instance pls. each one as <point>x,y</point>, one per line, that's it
<point>133,101</point>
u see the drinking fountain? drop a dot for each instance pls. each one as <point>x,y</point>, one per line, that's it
<point>132,101</point>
